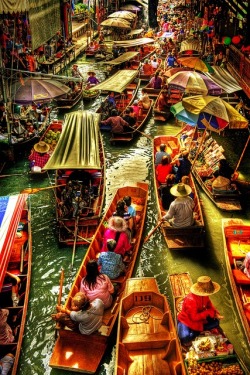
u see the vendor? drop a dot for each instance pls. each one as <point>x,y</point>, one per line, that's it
<point>198,313</point>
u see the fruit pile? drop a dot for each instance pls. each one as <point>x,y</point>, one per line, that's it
<point>204,345</point>
<point>213,368</point>
<point>51,137</point>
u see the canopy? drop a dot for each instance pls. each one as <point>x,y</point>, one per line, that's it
<point>223,78</point>
<point>135,32</point>
<point>133,42</point>
<point>190,45</point>
<point>122,58</point>
<point>123,14</point>
<point>14,6</point>
<point>195,63</point>
<point>120,23</point>
<point>78,146</point>
<point>118,81</point>
<point>11,208</point>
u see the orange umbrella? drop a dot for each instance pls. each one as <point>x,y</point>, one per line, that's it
<point>195,63</point>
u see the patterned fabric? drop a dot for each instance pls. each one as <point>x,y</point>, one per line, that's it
<point>39,159</point>
<point>111,264</point>
<point>6,335</point>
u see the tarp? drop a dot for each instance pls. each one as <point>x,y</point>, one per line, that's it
<point>11,208</point>
<point>14,6</point>
<point>78,146</point>
<point>118,81</point>
<point>190,45</point>
<point>122,58</point>
<point>223,78</point>
<point>133,42</point>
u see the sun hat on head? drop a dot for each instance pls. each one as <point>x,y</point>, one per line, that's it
<point>204,286</point>
<point>180,190</point>
<point>41,147</point>
<point>117,223</point>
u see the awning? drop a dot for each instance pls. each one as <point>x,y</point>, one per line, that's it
<point>78,146</point>
<point>11,208</point>
<point>118,81</point>
<point>134,42</point>
<point>122,58</point>
<point>224,79</point>
<point>190,45</point>
<point>135,32</point>
<point>14,6</point>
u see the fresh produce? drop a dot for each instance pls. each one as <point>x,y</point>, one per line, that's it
<point>213,368</point>
<point>204,345</point>
<point>52,137</point>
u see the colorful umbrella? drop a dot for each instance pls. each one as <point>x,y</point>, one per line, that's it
<point>116,22</point>
<point>170,72</point>
<point>214,113</point>
<point>182,115</point>
<point>126,15</point>
<point>195,63</point>
<point>194,82</point>
<point>131,7</point>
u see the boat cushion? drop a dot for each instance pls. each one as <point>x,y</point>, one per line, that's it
<point>240,277</point>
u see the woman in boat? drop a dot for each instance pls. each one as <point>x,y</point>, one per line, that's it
<point>92,80</point>
<point>164,191</point>
<point>144,101</point>
<point>162,103</point>
<point>110,262</point>
<point>39,156</point>
<point>76,72</point>
<point>6,334</point>
<point>159,154</point>
<point>183,165</point>
<point>198,313</point>
<point>147,68</point>
<point>186,180</point>
<point>84,316</point>
<point>117,230</point>
<point>97,285</point>
<point>163,170</point>
<point>122,211</point>
<point>180,212</point>
<point>156,81</point>
<point>136,109</point>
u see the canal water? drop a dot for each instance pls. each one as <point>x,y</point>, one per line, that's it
<point>126,163</point>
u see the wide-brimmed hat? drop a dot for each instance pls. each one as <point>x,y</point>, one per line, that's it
<point>117,223</point>
<point>205,286</point>
<point>221,182</point>
<point>91,73</point>
<point>41,147</point>
<point>180,190</point>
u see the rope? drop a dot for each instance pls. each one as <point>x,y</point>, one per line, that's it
<point>144,315</point>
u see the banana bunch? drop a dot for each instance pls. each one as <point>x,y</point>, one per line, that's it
<point>204,345</point>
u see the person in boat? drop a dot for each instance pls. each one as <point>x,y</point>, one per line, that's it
<point>224,170</point>
<point>111,99</point>
<point>39,156</point>
<point>19,130</point>
<point>159,154</point>
<point>162,104</point>
<point>144,101</point>
<point>92,80</point>
<point>85,316</point>
<point>156,81</point>
<point>180,212</point>
<point>76,72</point>
<point>164,191</point>
<point>97,285</point>
<point>136,108</point>
<point>131,210</point>
<point>117,123</point>
<point>154,63</point>
<point>147,68</point>
<point>163,170</point>
<point>198,313</point>
<point>6,363</point>
<point>186,180</point>
<point>6,334</point>
<point>131,120</point>
<point>122,211</point>
<point>15,281</point>
<point>110,262</point>
<point>183,165</point>
<point>246,265</point>
<point>117,230</point>
<point>171,60</point>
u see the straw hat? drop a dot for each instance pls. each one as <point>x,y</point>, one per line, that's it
<point>221,183</point>
<point>204,286</point>
<point>41,147</point>
<point>117,223</point>
<point>180,190</point>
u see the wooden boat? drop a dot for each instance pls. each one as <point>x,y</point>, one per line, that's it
<point>70,100</point>
<point>82,353</point>
<point>135,130</point>
<point>223,355</point>
<point>122,62</point>
<point>174,96</point>
<point>152,93</point>
<point>236,236</point>
<point>79,161</point>
<point>147,342</point>
<point>15,264</point>
<point>51,137</point>
<point>88,95</point>
<point>177,238</point>
<point>146,77</point>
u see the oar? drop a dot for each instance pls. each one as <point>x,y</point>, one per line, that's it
<point>71,231</point>
<point>74,246</point>
<point>36,190</point>
<point>59,298</point>
<point>146,135</point>
<point>152,232</point>
<point>10,175</point>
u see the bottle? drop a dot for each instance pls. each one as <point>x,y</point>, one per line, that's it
<point>32,164</point>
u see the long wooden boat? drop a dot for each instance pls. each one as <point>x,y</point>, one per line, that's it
<point>221,353</point>
<point>178,238</point>
<point>88,95</point>
<point>135,130</point>
<point>236,237</point>
<point>82,353</point>
<point>147,77</point>
<point>152,93</point>
<point>15,265</point>
<point>69,100</point>
<point>122,62</point>
<point>79,161</point>
<point>147,342</point>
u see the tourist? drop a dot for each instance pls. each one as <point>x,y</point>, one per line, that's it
<point>159,154</point>
<point>117,230</point>
<point>6,334</point>
<point>116,122</point>
<point>136,109</point>
<point>156,81</point>
<point>131,120</point>
<point>180,212</point>
<point>162,103</point>
<point>84,316</point>
<point>39,156</point>
<point>186,180</point>
<point>6,363</point>
<point>147,68</point>
<point>198,313</point>
<point>163,170</point>
<point>164,191</point>
<point>110,262</point>
<point>97,285</point>
<point>144,101</point>
<point>183,165</point>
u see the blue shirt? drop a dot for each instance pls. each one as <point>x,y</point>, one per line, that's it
<point>111,264</point>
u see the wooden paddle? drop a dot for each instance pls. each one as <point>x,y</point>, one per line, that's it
<point>36,190</point>
<point>145,135</point>
<point>152,231</point>
<point>10,175</point>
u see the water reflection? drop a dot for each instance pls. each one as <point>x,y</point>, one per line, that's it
<point>125,164</point>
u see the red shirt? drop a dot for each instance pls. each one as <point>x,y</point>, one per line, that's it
<point>162,171</point>
<point>40,159</point>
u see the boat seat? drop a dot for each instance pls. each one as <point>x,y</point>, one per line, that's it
<point>146,340</point>
<point>240,277</point>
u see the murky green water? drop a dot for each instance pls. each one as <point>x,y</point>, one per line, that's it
<point>124,164</point>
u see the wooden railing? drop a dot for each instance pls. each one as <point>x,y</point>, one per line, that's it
<point>239,67</point>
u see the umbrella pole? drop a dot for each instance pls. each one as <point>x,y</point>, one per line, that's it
<point>197,153</point>
<point>242,154</point>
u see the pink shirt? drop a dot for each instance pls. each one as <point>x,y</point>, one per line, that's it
<point>102,290</point>
<point>122,245</point>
